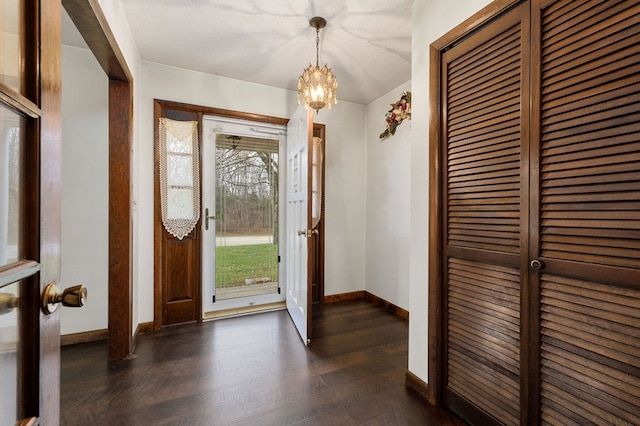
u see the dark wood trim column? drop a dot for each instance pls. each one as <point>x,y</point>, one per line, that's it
<point>94,28</point>
<point>120,224</point>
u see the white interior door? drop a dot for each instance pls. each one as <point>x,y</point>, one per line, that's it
<point>299,138</point>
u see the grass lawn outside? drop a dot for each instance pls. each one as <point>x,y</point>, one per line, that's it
<point>235,264</point>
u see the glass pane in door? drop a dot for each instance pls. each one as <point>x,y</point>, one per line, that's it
<point>9,338</point>
<point>11,185</point>
<point>10,43</point>
<point>246,216</point>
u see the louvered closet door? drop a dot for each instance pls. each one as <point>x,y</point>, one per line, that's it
<point>588,235</point>
<point>483,129</point>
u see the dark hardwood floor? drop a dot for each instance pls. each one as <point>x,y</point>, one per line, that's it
<point>253,370</point>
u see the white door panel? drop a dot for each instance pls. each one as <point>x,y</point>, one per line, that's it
<point>299,133</point>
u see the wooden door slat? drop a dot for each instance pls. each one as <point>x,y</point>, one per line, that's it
<point>563,58</point>
<point>489,50</point>
<point>587,102</point>
<point>488,69</point>
<point>472,315</point>
<point>628,243</point>
<point>584,383</point>
<point>573,83</point>
<point>613,182</point>
<point>624,133</point>
<point>561,17</point>
<point>501,143</point>
<point>493,136</point>
<point>507,318</point>
<point>590,198</point>
<point>623,381</point>
<point>490,102</point>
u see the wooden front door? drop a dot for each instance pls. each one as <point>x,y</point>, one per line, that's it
<point>538,224</point>
<point>177,261</point>
<point>30,138</point>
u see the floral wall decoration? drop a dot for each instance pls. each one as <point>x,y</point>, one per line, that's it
<point>399,112</point>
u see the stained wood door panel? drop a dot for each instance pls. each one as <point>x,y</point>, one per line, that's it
<point>482,200</point>
<point>473,73</point>
<point>180,273</point>
<point>180,280</point>
<point>559,182</point>
<point>589,213</point>
<point>569,60</point>
<point>502,402</point>
<point>484,337</point>
<point>590,351</point>
<point>483,144</point>
<point>590,153</point>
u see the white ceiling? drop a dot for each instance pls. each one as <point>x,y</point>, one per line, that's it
<point>367,43</point>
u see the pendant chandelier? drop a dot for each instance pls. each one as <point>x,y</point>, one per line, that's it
<point>317,86</point>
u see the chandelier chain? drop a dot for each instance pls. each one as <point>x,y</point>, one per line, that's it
<point>317,47</point>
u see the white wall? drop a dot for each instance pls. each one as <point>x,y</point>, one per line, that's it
<point>85,186</point>
<point>345,167</point>
<point>431,20</point>
<point>388,203</point>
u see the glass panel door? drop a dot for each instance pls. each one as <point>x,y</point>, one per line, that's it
<point>246,192</point>
<point>12,254</point>
<point>11,44</point>
<point>29,344</point>
<point>9,356</point>
<point>12,128</point>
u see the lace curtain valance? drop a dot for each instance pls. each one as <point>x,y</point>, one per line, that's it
<point>179,176</point>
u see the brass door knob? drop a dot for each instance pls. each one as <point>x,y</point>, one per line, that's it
<point>307,232</point>
<point>8,302</point>
<point>74,297</point>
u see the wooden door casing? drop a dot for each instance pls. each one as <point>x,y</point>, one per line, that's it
<point>88,19</point>
<point>187,258</point>
<point>579,201</point>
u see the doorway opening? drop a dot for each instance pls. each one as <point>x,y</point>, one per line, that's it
<point>246,216</point>
<point>241,218</point>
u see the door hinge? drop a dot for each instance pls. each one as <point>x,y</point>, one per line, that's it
<point>279,290</point>
<point>279,259</point>
<point>214,299</point>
